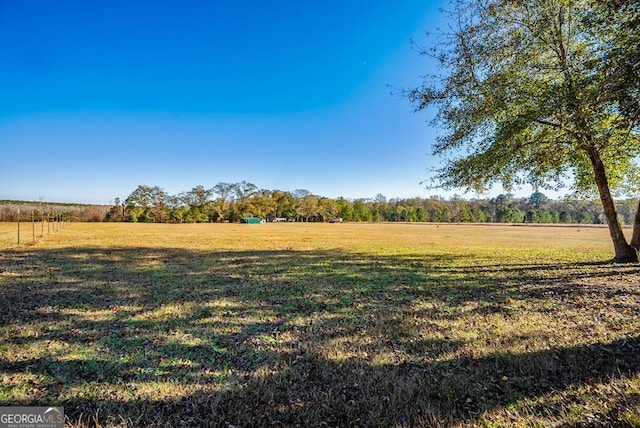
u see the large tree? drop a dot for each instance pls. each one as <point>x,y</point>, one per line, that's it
<point>147,204</point>
<point>540,92</point>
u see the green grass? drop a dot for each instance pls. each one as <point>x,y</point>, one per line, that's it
<point>322,325</point>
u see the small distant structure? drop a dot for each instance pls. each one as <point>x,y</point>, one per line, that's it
<point>335,220</point>
<point>250,220</point>
<point>279,220</point>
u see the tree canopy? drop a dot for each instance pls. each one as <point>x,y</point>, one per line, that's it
<point>542,92</point>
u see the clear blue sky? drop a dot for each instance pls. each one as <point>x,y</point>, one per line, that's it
<point>97,97</point>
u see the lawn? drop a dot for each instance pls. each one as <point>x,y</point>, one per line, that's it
<point>321,325</point>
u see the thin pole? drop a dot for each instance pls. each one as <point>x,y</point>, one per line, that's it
<point>18,226</point>
<point>33,226</point>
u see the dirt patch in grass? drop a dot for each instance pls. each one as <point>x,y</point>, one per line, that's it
<point>284,329</point>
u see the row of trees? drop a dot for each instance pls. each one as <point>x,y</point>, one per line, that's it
<point>228,202</point>
<point>47,211</point>
<point>224,202</point>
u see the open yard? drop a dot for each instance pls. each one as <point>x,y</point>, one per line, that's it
<point>321,325</point>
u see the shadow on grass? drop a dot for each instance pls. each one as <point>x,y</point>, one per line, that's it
<point>147,336</point>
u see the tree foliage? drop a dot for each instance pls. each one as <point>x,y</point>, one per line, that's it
<point>221,205</point>
<point>538,92</point>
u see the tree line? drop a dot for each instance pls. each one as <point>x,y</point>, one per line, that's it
<point>12,210</point>
<point>229,202</point>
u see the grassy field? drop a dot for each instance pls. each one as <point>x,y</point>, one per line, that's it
<point>322,325</point>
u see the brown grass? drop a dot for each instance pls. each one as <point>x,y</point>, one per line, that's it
<point>322,325</point>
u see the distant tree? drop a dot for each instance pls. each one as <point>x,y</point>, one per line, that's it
<point>627,209</point>
<point>235,200</point>
<point>505,200</point>
<point>116,211</point>
<point>378,207</point>
<point>309,207</point>
<point>147,204</point>
<point>197,197</point>
<point>478,215</point>
<point>506,214</point>
<point>465,215</point>
<point>361,211</point>
<point>345,209</point>
<point>444,215</point>
<point>159,206</point>
<point>541,216</point>
<point>586,218</point>
<point>221,205</point>
<point>327,208</point>
<point>223,190</point>
<point>538,199</point>
<point>243,193</point>
<point>177,209</point>
<point>263,204</point>
<point>457,205</point>
<point>401,212</point>
<point>301,193</point>
<point>285,205</point>
<point>554,216</point>
<point>531,216</point>
<point>565,217</point>
<point>538,91</point>
<point>432,208</point>
<point>418,215</point>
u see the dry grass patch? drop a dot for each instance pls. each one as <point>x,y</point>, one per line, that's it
<point>315,324</point>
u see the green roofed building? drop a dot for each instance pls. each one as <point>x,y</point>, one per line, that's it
<point>250,220</point>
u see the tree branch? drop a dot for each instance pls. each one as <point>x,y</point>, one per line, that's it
<point>545,122</point>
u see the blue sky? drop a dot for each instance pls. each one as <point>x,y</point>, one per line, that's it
<point>99,97</point>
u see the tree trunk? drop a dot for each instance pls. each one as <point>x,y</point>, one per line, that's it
<point>635,239</point>
<point>624,253</point>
